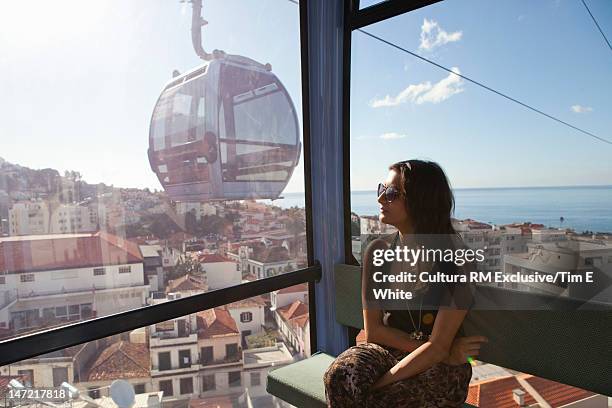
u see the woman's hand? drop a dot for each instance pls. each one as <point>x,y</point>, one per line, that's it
<point>464,347</point>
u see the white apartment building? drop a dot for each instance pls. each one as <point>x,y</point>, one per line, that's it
<point>174,357</point>
<point>48,279</point>
<point>249,315</point>
<point>286,296</point>
<point>265,262</point>
<point>200,210</point>
<point>39,217</point>
<point>576,255</point>
<point>196,355</point>
<point>51,369</point>
<point>220,271</point>
<point>257,363</point>
<point>293,323</point>
<point>28,218</point>
<point>221,355</point>
<point>495,241</point>
<point>73,218</point>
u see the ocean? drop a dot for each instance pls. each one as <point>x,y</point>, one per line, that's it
<point>582,207</point>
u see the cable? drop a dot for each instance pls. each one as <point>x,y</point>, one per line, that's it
<point>481,84</point>
<point>598,27</point>
<point>486,87</point>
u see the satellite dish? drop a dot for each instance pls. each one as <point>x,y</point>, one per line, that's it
<point>122,393</point>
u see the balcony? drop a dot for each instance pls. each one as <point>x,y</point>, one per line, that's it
<point>228,360</point>
<point>267,356</point>
<point>161,339</point>
<point>166,372</point>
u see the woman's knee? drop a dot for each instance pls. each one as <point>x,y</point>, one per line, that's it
<point>364,360</point>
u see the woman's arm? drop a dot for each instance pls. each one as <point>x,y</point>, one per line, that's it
<point>436,350</point>
<point>377,332</point>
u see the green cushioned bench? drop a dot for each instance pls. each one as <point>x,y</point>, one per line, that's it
<point>571,347</point>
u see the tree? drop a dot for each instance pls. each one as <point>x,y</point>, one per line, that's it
<point>191,222</point>
<point>188,266</point>
<point>295,225</point>
<point>212,224</point>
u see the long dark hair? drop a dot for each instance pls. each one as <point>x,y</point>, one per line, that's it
<point>428,195</point>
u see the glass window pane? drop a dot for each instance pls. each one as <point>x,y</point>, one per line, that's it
<point>124,183</point>
<point>368,3</point>
<point>216,358</point>
<point>530,193</point>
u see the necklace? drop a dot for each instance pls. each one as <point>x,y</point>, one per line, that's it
<point>417,334</point>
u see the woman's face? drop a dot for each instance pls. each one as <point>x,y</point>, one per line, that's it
<point>393,213</point>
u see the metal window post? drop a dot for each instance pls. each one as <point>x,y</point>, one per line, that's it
<point>326,86</point>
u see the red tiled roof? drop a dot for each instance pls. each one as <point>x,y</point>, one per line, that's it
<point>557,394</point>
<point>212,258</point>
<point>67,253</point>
<point>186,282</point>
<point>477,224</point>
<point>297,308</point>
<point>496,393</point>
<point>234,246</point>
<point>121,360</point>
<point>268,255</point>
<point>215,322</point>
<point>255,301</point>
<point>301,287</point>
<point>299,321</point>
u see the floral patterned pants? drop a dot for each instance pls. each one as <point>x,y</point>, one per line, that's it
<point>348,379</point>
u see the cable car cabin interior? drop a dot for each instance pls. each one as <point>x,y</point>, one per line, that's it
<point>204,294</point>
<point>227,130</point>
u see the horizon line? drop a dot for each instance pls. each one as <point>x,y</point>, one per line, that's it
<point>490,188</point>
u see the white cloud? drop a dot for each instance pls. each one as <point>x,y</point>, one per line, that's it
<point>581,109</point>
<point>392,135</point>
<point>408,94</point>
<point>424,92</point>
<point>433,36</point>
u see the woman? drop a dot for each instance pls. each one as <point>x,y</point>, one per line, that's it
<point>411,358</point>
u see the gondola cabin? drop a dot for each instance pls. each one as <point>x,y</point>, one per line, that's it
<point>226,130</point>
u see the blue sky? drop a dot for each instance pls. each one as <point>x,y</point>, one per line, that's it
<point>79,82</point>
<point>547,53</point>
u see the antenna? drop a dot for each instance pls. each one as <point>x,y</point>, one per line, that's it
<point>122,393</point>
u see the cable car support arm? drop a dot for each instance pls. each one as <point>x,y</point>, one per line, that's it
<point>197,22</point>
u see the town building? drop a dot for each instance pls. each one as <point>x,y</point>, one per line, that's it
<point>120,360</point>
<point>220,271</point>
<point>50,279</point>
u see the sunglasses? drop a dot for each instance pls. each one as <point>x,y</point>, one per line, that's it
<point>391,193</point>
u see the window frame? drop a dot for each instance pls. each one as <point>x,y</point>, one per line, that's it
<point>212,385</point>
<point>186,382</point>
<point>238,382</point>
<point>171,388</point>
<point>31,345</point>
<point>356,19</point>
<point>167,363</point>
